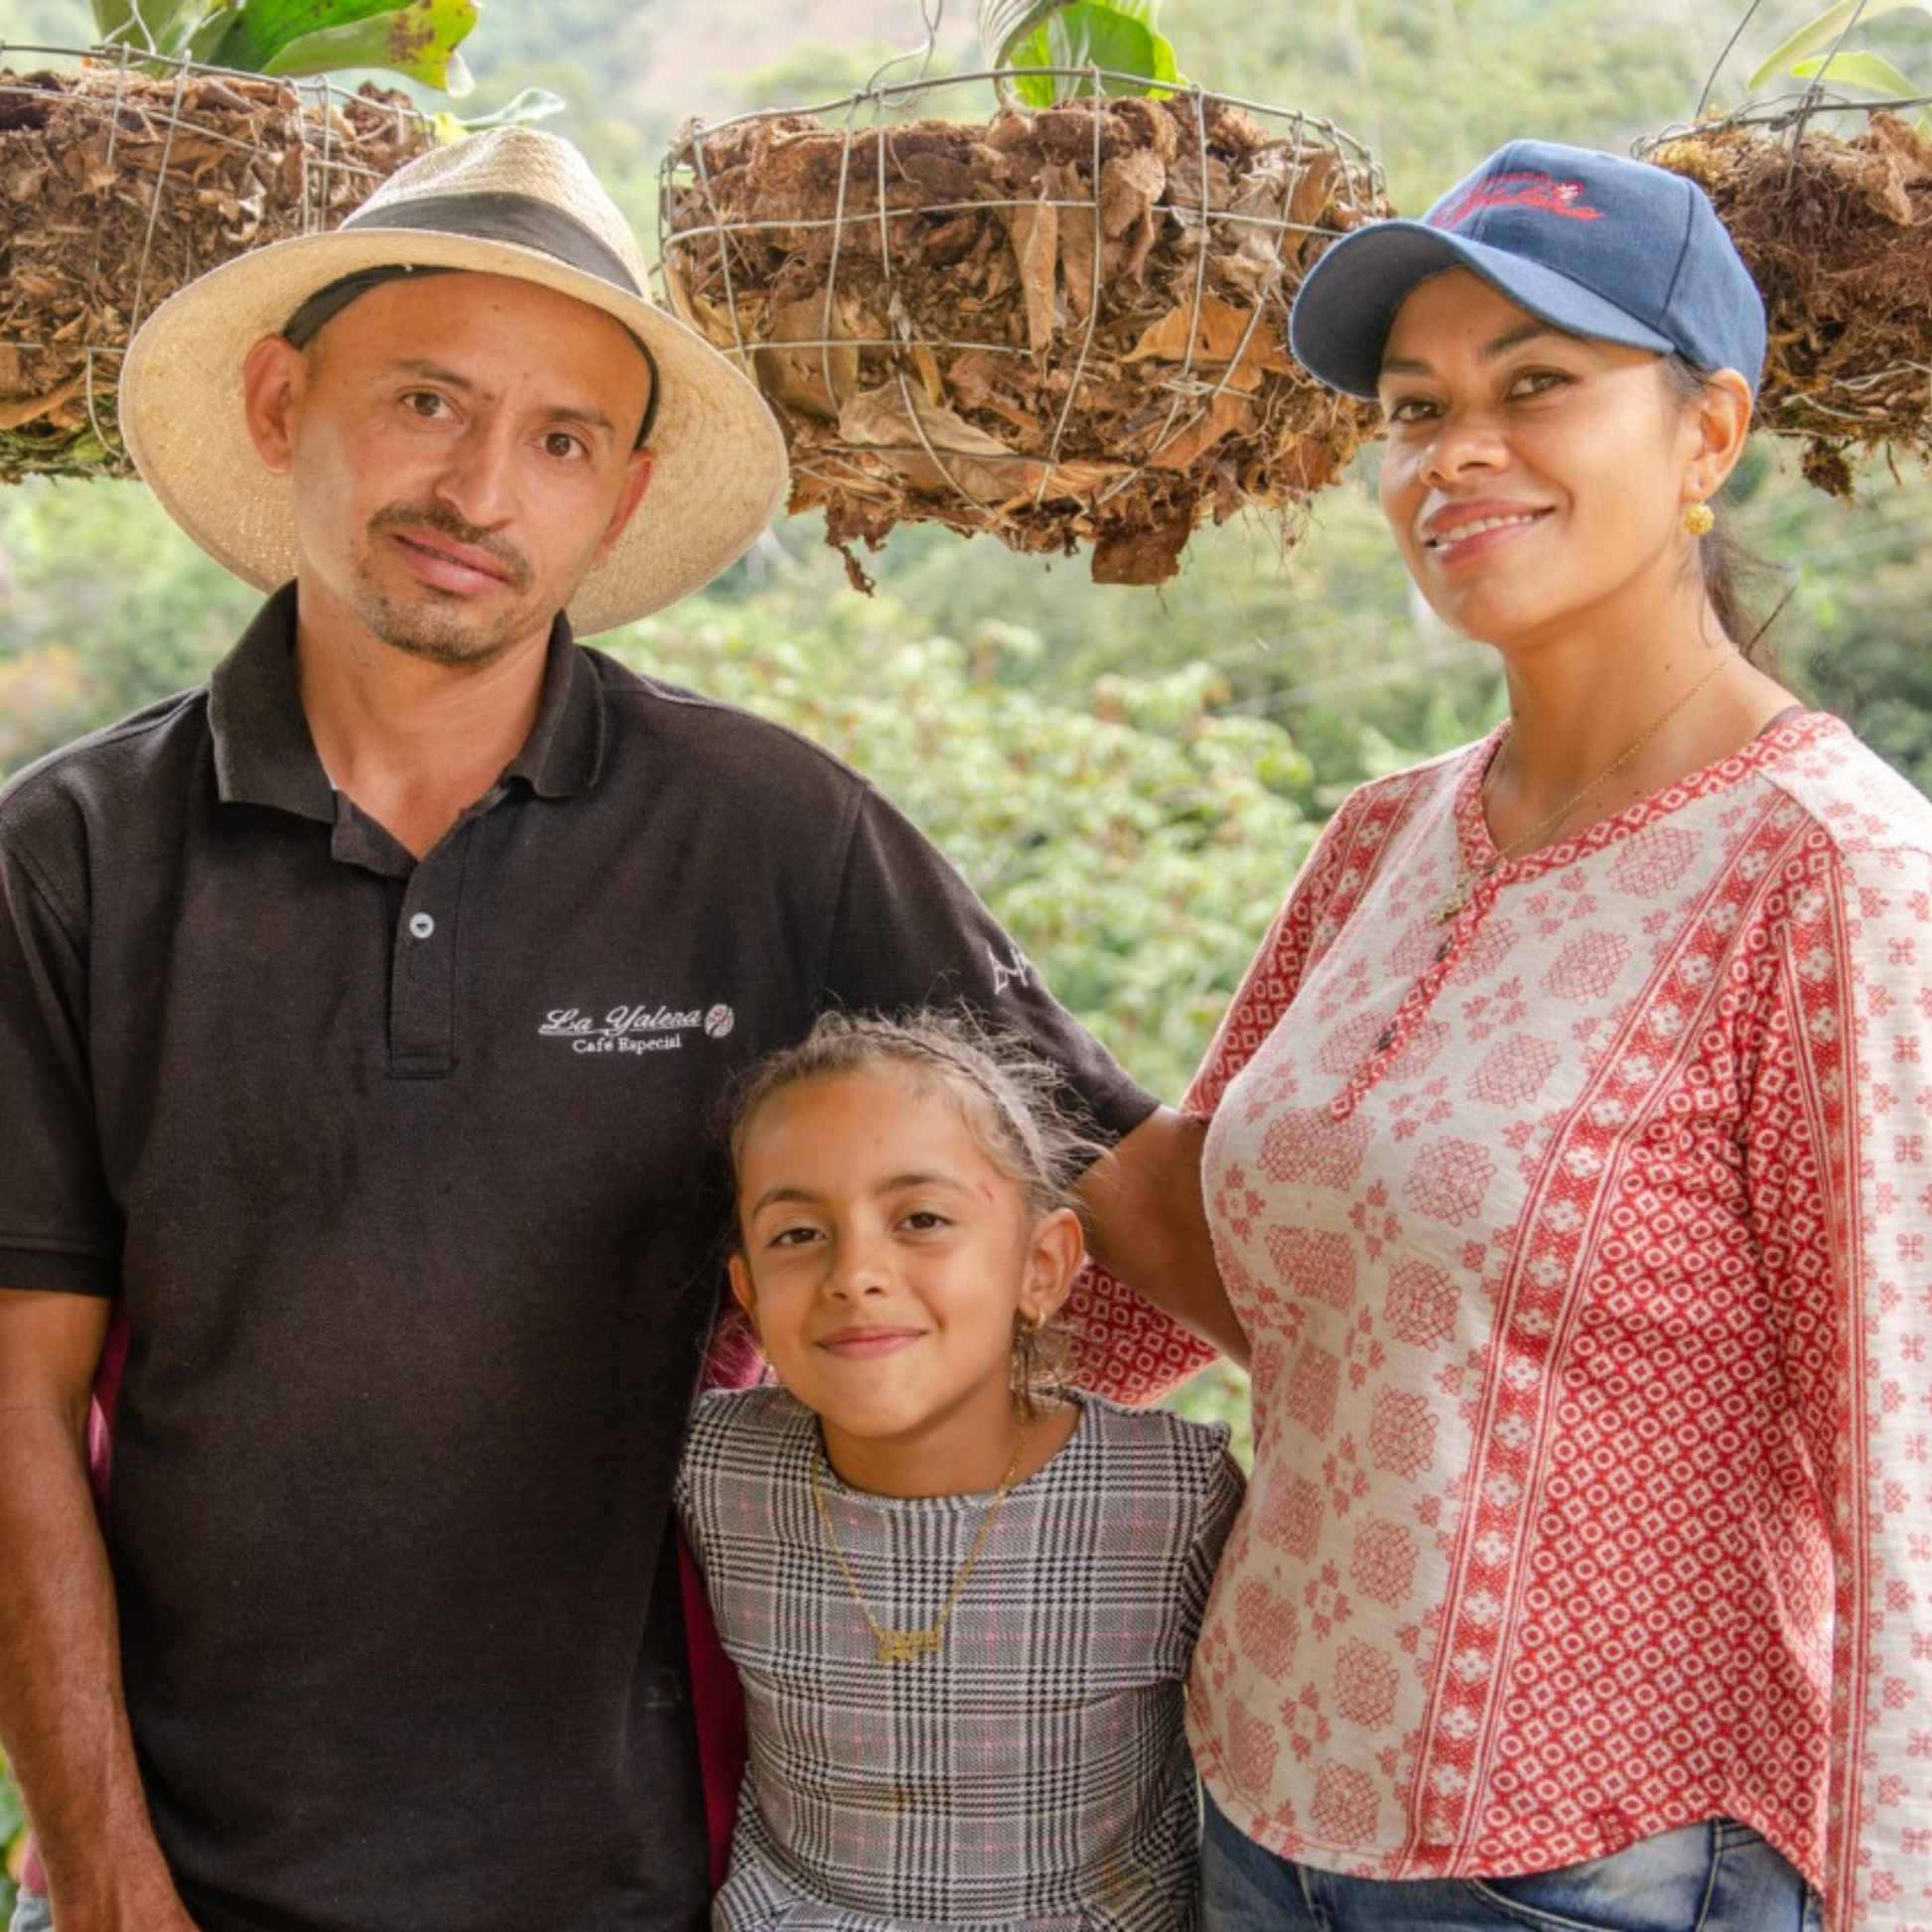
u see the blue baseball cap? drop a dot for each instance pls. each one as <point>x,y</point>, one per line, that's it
<point>1597,245</point>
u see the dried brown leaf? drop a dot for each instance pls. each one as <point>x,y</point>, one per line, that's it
<point>1213,335</point>
<point>1833,230</point>
<point>1072,355</point>
<point>136,186</point>
<point>1036,228</point>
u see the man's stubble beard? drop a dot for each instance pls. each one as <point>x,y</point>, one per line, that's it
<point>436,626</point>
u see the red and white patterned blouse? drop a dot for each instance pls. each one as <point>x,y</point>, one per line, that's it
<point>1586,1244</point>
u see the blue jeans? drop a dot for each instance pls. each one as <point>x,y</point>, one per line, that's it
<point>32,1913</point>
<point>1717,1876</point>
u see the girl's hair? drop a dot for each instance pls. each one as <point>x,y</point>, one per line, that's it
<point>1725,562</point>
<point>1008,1098</point>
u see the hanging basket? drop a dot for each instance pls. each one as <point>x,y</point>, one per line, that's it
<point>1833,216</point>
<point>1064,327</point>
<point>122,184</point>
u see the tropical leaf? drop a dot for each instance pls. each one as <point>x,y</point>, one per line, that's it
<point>1822,34</point>
<point>151,26</point>
<point>530,105</point>
<point>396,42</point>
<point>1004,22</point>
<point>417,38</point>
<point>1872,72</point>
<point>1117,37</point>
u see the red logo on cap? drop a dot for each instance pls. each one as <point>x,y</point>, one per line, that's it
<point>1544,191</point>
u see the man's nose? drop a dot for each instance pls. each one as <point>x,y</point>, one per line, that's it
<point>476,478</point>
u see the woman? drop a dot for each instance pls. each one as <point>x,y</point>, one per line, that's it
<point>1568,1171</point>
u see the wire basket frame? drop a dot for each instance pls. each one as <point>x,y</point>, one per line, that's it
<point>1063,325</point>
<point>1830,203</point>
<point>133,176</point>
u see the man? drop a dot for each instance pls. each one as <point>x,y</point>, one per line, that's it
<point>362,1017</point>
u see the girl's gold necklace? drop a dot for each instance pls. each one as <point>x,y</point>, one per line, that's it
<point>901,1646</point>
<point>1468,878</point>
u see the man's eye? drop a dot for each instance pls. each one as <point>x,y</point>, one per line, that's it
<point>423,402</point>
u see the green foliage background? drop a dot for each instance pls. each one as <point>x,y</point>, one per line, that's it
<point>1131,777</point>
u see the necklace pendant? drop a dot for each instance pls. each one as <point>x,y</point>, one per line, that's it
<point>903,1647</point>
<point>1454,901</point>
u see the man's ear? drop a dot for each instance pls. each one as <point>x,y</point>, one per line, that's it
<point>637,479</point>
<point>272,373</point>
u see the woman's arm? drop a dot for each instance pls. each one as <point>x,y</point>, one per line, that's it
<point>1146,1226</point>
<point>1839,1167</point>
<point>1147,1219</point>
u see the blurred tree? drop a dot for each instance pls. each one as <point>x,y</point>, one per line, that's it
<point>103,607</point>
<point>1855,634</point>
<point>13,1839</point>
<point>1135,842</point>
<point>48,23</point>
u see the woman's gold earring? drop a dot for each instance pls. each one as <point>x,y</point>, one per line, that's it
<point>1700,520</point>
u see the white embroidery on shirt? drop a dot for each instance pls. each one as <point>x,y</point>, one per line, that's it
<point>1017,971</point>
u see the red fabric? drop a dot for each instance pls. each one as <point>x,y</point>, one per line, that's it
<point>720,1707</point>
<point>717,1701</point>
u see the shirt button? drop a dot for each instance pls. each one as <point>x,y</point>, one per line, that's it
<point>1385,1040</point>
<point>421,925</point>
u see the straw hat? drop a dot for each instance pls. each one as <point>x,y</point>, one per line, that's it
<point>510,201</point>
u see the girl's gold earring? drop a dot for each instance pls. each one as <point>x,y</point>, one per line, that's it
<point>1025,1367</point>
<point>1700,520</point>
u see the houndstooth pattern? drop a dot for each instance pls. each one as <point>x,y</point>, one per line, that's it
<point>1585,1247</point>
<point>1033,1772</point>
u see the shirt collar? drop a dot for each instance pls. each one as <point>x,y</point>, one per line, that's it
<point>264,756</point>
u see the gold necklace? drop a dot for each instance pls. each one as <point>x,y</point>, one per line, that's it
<point>901,1646</point>
<point>1467,880</point>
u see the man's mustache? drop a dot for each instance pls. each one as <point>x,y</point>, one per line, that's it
<point>446,522</point>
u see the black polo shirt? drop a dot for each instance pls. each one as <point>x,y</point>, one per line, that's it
<point>400,1172</point>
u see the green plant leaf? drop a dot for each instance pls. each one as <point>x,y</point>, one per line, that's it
<point>417,38</point>
<point>1821,33</point>
<point>151,26</point>
<point>1115,36</point>
<point>242,34</point>
<point>1002,23</point>
<point>530,105</point>
<point>1873,71</point>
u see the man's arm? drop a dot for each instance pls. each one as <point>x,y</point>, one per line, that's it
<point>1148,1224</point>
<point>62,1718</point>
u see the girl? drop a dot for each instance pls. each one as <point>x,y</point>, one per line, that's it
<point>962,1606</point>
